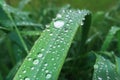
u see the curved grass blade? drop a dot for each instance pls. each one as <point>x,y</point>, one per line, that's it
<point>1,78</point>
<point>47,55</point>
<point>105,70</point>
<point>109,37</point>
<point>13,71</point>
<point>118,37</point>
<point>7,11</point>
<point>117,64</point>
<point>30,33</point>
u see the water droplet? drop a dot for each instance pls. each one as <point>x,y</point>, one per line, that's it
<point>67,16</point>
<point>47,26</point>
<point>108,78</point>
<point>35,61</point>
<point>32,68</point>
<point>29,58</point>
<point>42,49</point>
<point>58,45</point>
<point>24,71</point>
<point>48,30</point>
<point>81,23</point>
<point>70,20</point>
<point>99,78</point>
<point>48,76</point>
<point>43,69</point>
<point>96,66</point>
<point>51,34</point>
<point>20,75</point>
<point>27,78</point>
<point>53,59</point>
<point>40,55</point>
<point>59,24</point>
<point>46,71</point>
<point>45,64</point>
<point>59,15</point>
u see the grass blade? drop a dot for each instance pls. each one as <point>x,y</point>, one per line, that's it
<point>47,56</point>
<point>118,37</point>
<point>6,9</point>
<point>104,69</point>
<point>109,37</point>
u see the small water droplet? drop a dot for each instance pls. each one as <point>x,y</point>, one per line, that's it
<point>27,78</point>
<point>43,69</point>
<point>32,68</point>
<point>45,64</point>
<point>48,76</point>
<point>108,78</point>
<point>51,34</point>
<point>96,66</point>
<point>20,75</point>
<point>59,15</point>
<point>67,16</point>
<point>47,26</point>
<point>59,24</point>
<point>24,71</point>
<point>35,61</point>
<point>48,30</point>
<point>46,71</point>
<point>53,59</point>
<point>70,20</point>
<point>42,49</point>
<point>81,23</point>
<point>29,58</point>
<point>99,78</point>
<point>40,55</point>
<point>58,45</point>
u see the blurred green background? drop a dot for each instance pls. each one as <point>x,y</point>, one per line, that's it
<point>93,5</point>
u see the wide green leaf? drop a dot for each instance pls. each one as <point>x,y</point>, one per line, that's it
<point>47,55</point>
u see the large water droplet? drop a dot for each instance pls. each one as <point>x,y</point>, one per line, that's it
<point>35,61</point>
<point>59,24</point>
<point>48,76</point>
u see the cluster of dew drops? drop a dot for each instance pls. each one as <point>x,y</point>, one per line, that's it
<point>58,24</point>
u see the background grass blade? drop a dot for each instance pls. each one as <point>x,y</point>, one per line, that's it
<point>6,10</point>
<point>109,37</point>
<point>104,69</point>
<point>47,56</point>
<point>118,37</point>
<point>117,64</point>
